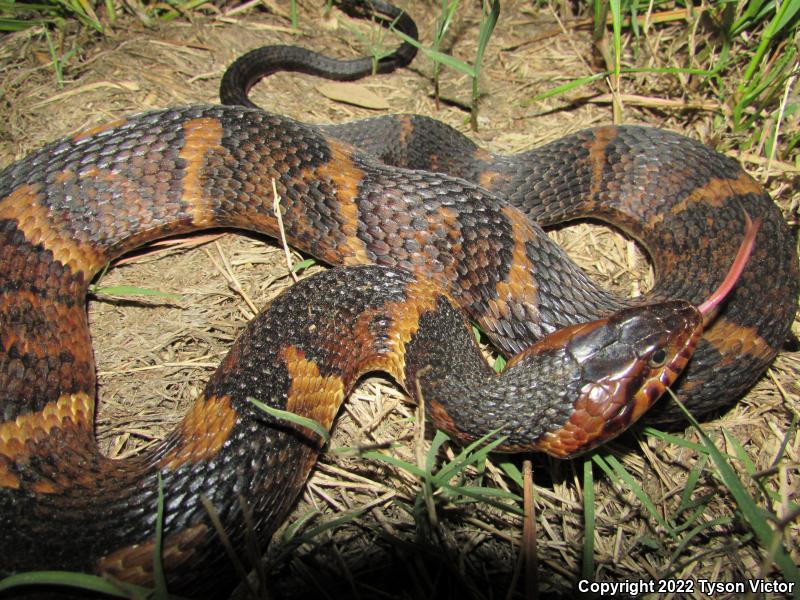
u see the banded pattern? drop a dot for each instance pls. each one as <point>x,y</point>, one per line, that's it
<point>680,199</point>
<point>442,243</point>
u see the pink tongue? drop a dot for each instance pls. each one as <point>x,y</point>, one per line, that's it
<point>709,308</point>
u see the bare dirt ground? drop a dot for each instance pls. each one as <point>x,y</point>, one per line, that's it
<point>154,354</point>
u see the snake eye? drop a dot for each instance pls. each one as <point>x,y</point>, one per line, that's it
<point>658,358</point>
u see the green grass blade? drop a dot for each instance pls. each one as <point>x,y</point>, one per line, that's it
<point>753,515</point>
<point>566,87</point>
<point>295,526</point>
<point>617,472</point>
<point>741,453</point>
<point>771,79</point>
<point>675,440</point>
<point>438,439</point>
<point>787,439</point>
<point>310,536</point>
<point>82,581</point>
<point>487,496</point>
<point>111,11</point>
<point>481,492</point>
<point>673,71</point>
<point>16,8</point>
<point>124,290</point>
<point>599,26</point>
<point>472,454</point>
<point>314,533</point>
<point>691,483</point>
<point>754,12</point>
<point>477,333</point>
<point>575,83</point>
<point>512,472</point>
<point>616,24</point>
<point>487,27</point>
<point>635,20</point>
<point>57,64</point>
<point>375,43</point>
<point>694,511</point>
<point>686,539</point>
<point>160,591</point>
<point>439,57</point>
<point>396,462</point>
<point>787,13</point>
<point>303,264</point>
<point>788,9</point>
<point>443,23</point>
<point>10,25</point>
<point>587,560</point>
<point>445,20</point>
<point>286,415</point>
<point>130,290</point>
<point>88,10</point>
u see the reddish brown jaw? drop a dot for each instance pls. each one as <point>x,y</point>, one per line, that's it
<point>620,378</point>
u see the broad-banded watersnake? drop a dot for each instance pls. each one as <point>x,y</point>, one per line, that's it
<point>70,208</point>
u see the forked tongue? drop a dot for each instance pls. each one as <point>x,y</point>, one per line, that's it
<point>710,307</point>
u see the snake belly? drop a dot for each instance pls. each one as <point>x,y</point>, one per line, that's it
<point>68,209</point>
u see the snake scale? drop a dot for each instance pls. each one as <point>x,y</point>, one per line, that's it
<point>441,229</point>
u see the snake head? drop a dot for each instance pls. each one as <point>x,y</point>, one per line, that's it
<point>627,360</point>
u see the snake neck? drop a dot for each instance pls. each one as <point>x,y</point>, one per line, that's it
<point>468,400</point>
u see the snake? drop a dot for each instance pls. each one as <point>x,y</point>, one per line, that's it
<point>428,234</point>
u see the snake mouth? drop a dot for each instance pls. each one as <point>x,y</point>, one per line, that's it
<point>635,391</point>
<point>658,378</point>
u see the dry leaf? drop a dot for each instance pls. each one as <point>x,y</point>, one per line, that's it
<point>353,93</point>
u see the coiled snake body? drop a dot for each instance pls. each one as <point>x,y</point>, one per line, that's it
<point>443,245</point>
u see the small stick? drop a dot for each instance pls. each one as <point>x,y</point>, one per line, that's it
<point>529,545</point>
<point>276,208</point>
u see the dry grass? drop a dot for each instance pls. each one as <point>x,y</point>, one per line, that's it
<point>154,355</point>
